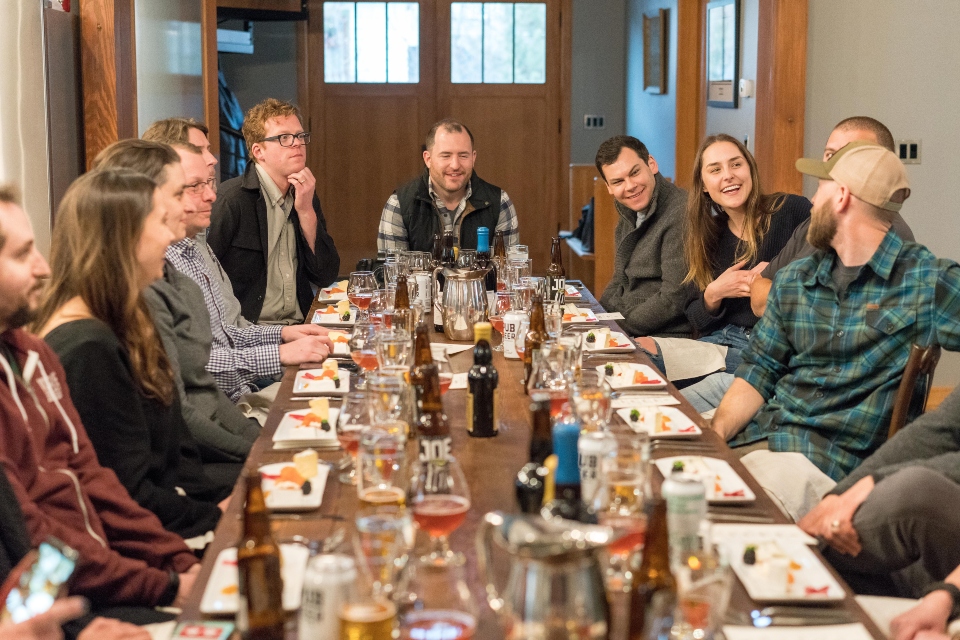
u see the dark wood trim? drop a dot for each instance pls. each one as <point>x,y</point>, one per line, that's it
<point>262,5</point>
<point>691,101</point>
<point>109,72</point>
<point>781,93</point>
<point>566,87</point>
<point>211,66</point>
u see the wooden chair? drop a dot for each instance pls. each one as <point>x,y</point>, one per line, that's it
<point>915,385</point>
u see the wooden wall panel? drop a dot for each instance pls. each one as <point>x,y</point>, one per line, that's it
<point>781,93</point>
<point>210,66</point>
<point>581,190</point>
<point>604,244</point>
<point>108,66</point>
<point>691,102</point>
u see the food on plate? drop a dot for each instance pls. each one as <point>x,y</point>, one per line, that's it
<point>750,554</point>
<point>608,369</point>
<point>307,463</point>
<point>634,415</point>
<point>319,415</point>
<point>336,287</point>
<point>591,338</point>
<point>640,378</point>
<point>612,342</point>
<point>343,310</point>
<point>678,466</point>
<point>230,589</point>
<point>289,479</point>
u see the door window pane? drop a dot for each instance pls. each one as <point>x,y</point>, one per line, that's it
<point>371,42</point>
<point>498,42</point>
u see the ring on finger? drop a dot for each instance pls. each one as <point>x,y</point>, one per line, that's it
<point>835,525</point>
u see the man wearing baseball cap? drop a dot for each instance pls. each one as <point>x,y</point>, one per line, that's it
<point>814,394</point>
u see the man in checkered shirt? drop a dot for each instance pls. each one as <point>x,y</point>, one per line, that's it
<point>448,196</point>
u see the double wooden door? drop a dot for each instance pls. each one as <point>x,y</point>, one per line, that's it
<point>368,138</point>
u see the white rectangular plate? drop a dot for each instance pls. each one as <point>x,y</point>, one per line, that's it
<point>285,499</point>
<point>291,429</point>
<point>807,579</point>
<point>677,423</point>
<point>624,375</point>
<point>307,383</point>
<point>570,291</point>
<point>574,314</point>
<point>602,344</point>
<point>221,593</point>
<point>340,340</point>
<point>333,292</point>
<point>721,481</point>
<point>333,319</point>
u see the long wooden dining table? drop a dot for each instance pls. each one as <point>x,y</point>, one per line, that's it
<point>490,466</point>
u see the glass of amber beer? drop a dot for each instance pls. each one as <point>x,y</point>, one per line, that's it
<point>381,480</point>
<point>439,498</point>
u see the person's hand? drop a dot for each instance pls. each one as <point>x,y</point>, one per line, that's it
<point>297,331</point>
<point>832,519</point>
<point>110,629</point>
<point>304,184</point>
<point>732,283</point>
<point>926,620</point>
<point>46,626</point>
<point>187,580</point>
<point>759,292</point>
<point>309,349</point>
<point>224,504</point>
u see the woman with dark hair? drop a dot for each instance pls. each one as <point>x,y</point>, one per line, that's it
<point>108,245</point>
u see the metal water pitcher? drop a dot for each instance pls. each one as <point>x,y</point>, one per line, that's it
<point>464,301</point>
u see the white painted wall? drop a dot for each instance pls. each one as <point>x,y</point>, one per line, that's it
<point>598,74</point>
<point>897,61</point>
<point>741,122</point>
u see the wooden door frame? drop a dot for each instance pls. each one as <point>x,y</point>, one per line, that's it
<point>781,90</point>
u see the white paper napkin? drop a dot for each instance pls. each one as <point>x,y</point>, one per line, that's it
<point>615,315</point>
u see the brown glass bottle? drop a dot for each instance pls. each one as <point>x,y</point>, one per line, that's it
<point>448,259</point>
<point>654,592</point>
<point>482,381</point>
<point>556,276</point>
<point>529,484</point>
<point>499,256</point>
<point>437,252</point>
<point>422,355</point>
<point>535,338</point>
<point>433,429</point>
<point>260,615</point>
<point>402,298</point>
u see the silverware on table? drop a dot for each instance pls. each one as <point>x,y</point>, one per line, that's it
<point>789,617</point>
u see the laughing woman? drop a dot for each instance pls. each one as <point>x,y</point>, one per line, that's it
<point>108,246</point>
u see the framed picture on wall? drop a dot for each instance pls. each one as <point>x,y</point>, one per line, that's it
<point>655,52</point>
<point>723,53</point>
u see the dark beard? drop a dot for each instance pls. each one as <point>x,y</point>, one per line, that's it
<point>20,317</point>
<point>823,227</point>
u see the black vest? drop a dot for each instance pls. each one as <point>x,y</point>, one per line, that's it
<point>422,221</point>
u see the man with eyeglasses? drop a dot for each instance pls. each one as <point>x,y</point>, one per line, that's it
<point>267,228</point>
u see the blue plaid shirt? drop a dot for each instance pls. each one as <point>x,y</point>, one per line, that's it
<point>828,363</point>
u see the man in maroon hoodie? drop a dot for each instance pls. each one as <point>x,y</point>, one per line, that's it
<point>126,556</point>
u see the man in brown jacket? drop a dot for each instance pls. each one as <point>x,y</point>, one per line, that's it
<point>125,556</point>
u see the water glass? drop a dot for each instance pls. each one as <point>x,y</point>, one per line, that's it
<point>704,583</point>
<point>523,297</point>
<point>590,397</point>
<point>381,479</point>
<point>380,543</point>
<point>518,252</point>
<point>394,348</point>
<point>524,267</point>
<point>553,318</point>
<point>389,396</point>
<point>500,308</point>
<point>467,259</point>
<point>354,418</point>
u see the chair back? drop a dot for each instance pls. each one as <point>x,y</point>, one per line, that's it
<point>915,386</point>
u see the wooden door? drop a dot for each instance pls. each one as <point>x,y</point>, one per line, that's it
<point>368,137</point>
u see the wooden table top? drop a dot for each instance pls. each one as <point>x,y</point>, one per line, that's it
<point>490,466</point>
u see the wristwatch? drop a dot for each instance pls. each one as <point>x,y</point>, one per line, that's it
<point>170,594</point>
<point>954,595</point>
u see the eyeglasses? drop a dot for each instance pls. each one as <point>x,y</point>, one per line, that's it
<point>197,188</point>
<point>286,139</point>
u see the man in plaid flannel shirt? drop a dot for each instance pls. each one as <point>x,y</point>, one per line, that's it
<point>814,395</point>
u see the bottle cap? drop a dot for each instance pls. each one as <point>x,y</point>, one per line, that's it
<point>482,331</point>
<point>565,437</point>
<point>483,240</point>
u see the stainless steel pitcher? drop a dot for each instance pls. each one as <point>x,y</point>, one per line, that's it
<point>464,301</point>
<point>555,587</point>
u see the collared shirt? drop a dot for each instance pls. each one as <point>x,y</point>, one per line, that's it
<point>238,356</point>
<point>829,363</point>
<point>280,304</point>
<point>392,234</point>
<point>232,311</point>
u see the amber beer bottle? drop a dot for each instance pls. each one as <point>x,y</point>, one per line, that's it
<point>433,429</point>
<point>422,356</point>
<point>536,336</point>
<point>654,592</point>
<point>402,299</point>
<point>448,259</point>
<point>556,276</point>
<point>260,614</point>
<point>482,381</point>
<point>530,479</point>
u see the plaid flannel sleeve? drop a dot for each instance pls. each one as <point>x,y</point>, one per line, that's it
<point>768,349</point>
<point>508,222</point>
<point>947,304</point>
<point>392,235</point>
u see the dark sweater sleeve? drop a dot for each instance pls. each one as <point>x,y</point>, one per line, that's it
<point>797,212</point>
<point>698,315</point>
<point>931,441</point>
<point>97,369</point>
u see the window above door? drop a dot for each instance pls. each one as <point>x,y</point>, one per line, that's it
<point>498,42</point>
<point>371,42</point>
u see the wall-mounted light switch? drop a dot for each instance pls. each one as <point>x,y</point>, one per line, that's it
<point>593,122</point>
<point>909,151</point>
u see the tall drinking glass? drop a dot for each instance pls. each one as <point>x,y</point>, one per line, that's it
<point>354,419</point>
<point>590,397</point>
<point>500,307</point>
<point>360,288</point>
<point>440,499</point>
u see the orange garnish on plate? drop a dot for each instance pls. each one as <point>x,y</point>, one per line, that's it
<point>639,377</point>
<point>327,373</point>
<point>568,316</point>
<point>290,474</point>
<point>330,309</point>
<point>230,590</point>
<point>794,566</point>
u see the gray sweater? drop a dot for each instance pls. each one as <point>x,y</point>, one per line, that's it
<point>649,267</point>
<point>932,441</point>
<point>223,433</point>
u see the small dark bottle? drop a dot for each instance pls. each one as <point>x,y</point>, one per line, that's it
<point>482,381</point>
<point>402,299</point>
<point>530,483</point>
<point>568,502</point>
<point>556,276</point>
<point>448,259</point>
<point>499,257</point>
<point>654,592</point>
<point>436,255</point>
<point>535,338</point>
<point>261,615</point>
<point>422,356</point>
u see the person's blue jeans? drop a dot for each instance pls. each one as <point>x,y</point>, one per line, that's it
<point>707,393</point>
<point>734,337</point>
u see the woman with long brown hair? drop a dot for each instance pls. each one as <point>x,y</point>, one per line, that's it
<point>108,245</point>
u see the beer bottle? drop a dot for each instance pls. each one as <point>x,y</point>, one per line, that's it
<point>530,480</point>
<point>436,254</point>
<point>422,355</point>
<point>556,276</point>
<point>482,383</point>
<point>654,591</point>
<point>568,502</point>
<point>535,338</point>
<point>448,259</point>
<point>260,614</point>
<point>433,429</point>
<point>484,261</point>
<point>402,299</point>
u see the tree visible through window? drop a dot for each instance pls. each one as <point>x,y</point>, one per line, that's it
<point>498,42</point>
<point>371,42</point>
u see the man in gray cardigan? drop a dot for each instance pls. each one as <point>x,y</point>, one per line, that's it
<point>649,266</point>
